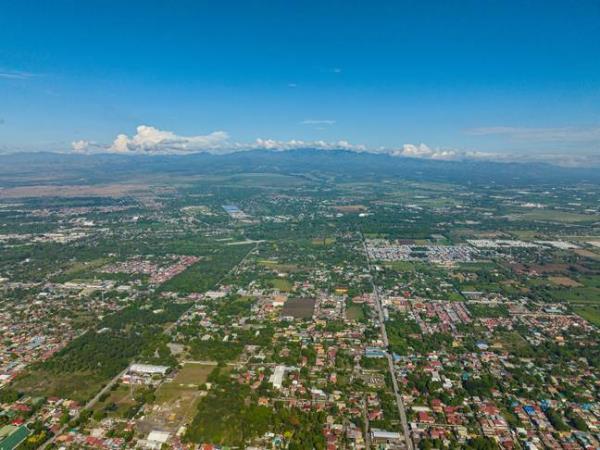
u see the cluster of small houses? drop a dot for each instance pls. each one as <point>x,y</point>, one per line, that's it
<point>31,331</point>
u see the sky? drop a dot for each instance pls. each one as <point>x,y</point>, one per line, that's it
<point>434,79</point>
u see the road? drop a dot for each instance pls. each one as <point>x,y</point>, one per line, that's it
<point>112,382</point>
<point>381,319</point>
<point>88,405</point>
<point>367,425</point>
<point>233,270</point>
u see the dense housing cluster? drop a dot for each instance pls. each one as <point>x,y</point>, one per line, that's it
<point>292,312</point>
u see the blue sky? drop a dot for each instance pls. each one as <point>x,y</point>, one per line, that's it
<point>519,78</point>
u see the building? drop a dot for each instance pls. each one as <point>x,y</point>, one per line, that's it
<point>382,437</point>
<point>11,436</point>
<point>148,369</point>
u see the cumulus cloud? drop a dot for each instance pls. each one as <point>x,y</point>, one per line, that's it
<point>149,139</point>
<point>426,152</point>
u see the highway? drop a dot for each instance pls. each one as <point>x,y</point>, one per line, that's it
<point>381,319</point>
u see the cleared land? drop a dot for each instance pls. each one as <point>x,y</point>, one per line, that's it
<point>564,281</point>
<point>176,400</point>
<point>299,308</point>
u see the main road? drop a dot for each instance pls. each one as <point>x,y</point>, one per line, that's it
<point>384,338</point>
<point>117,377</point>
<point>88,405</point>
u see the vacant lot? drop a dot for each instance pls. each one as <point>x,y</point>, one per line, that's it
<point>118,402</point>
<point>110,190</point>
<point>281,284</point>
<point>587,254</point>
<point>564,281</point>
<point>556,216</point>
<point>195,374</point>
<point>176,400</point>
<point>591,313</point>
<point>355,312</point>
<point>350,208</point>
<point>80,386</point>
<point>299,308</point>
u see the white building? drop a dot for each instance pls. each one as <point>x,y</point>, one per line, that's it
<point>148,369</point>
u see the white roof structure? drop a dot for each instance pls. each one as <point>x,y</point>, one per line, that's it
<point>386,435</point>
<point>277,378</point>
<point>148,369</point>
<point>158,436</point>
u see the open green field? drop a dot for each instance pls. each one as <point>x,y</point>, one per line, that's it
<point>556,216</point>
<point>193,374</point>
<point>118,401</point>
<point>188,378</point>
<point>580,295</point>
<point>281,284</point>
<point>323,241</point>
<point>355,312</point>
<point>404,266</point>
<point>514,342</point>
<point>591,313</point>
<point>79,386</point>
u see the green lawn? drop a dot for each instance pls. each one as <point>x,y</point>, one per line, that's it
<point>355,312</point>
<point>589,313</point>
<point>78,386</point>
<point>281,284</point>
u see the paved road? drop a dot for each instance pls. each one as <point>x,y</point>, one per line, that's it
<point>112,382</point>
<point>88,405</point>
<point>381,316</point>
<point>232,271</point>
<point>367,425</point>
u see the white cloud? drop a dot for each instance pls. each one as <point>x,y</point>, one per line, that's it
<point>317,122</point>
<point>80,146</point>
<point>152,140</point>
<point>561,134</point>
<point>273,144</point>
<point>15,75</point>
<point>426,152</point>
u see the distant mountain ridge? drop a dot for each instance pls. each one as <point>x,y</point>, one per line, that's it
<point>18,169</point>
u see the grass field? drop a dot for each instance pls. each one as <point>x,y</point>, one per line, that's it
<point>578,296</point>
<point>355,312</point>
<point>323,241</point>
<point>564,281</point>
<point>556,216</point>
<point>79,386</point>
<point>590,313</point>
<point>587,254</point>
<point>281,284</point>
<point>121,400</point>
<point>514,342</point>
<point>193,374</point>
